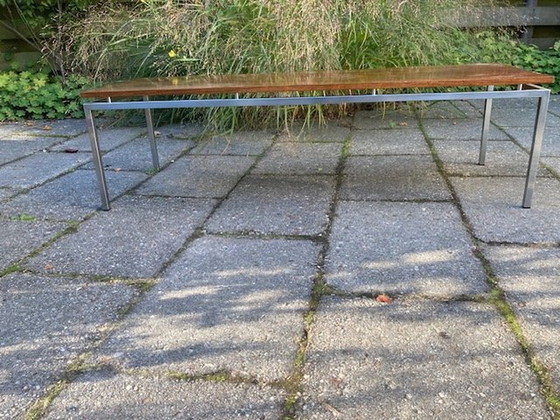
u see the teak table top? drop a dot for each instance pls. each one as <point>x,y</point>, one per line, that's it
<point>399,77</point>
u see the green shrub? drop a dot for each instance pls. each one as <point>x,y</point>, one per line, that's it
<point>501,48</point>
<point>543,61</point>
<point>39,96</point>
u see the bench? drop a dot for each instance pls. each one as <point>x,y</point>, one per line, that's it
<point>477,80</point>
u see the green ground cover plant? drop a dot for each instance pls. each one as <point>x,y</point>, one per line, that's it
<point>36,95</point>
<point>500,47</point>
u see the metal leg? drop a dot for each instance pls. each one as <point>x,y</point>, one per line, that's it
<point>97,161</point>
<point>152,137</point>
<point>485,129</point>
<point>534,158</point>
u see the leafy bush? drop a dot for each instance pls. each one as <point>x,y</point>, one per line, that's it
<point>543,61</point>
<point>503,49</point>
<point>39,96</point>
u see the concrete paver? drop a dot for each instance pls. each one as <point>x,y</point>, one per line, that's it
<point>418,360</point>
<point>531,280</point>
<point>16,149</point>
<point>503,158</point>
<point>493,207</point>
<point>38,168</point>
<point>300,159</point>
<point>45,323</point>
<point>552,163</point>
<point>134,239</point>
<point>199,176</point>
<point>20,237</point>
<point>524,136</point>
<point>245,143</point>
<point>69,197</point>
<point>400,178</point>
<point>108,140</point>
<point>388,142</point>
<point>387,118</point>
<point>281,205</point>
<point>136,155</point>
<point>337,131</point>
<point>401,250</point>
<point>226,304</point>
<point>160,398</point>
<point>461,129</point>
<point>448,110</point>
<point>246,278</point>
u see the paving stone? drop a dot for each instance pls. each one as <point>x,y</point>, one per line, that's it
<point>282,205</point>
<point>136,155</point>
<point>70,197</point>
<point>6,193</point>
<point>300,159</point>
<point>134,239</point>
<point>16,149</point>
<point>19,238</point>
<point>38,168</point>
<point>470,129</point>
<point>108,139</point>
<point>493,207</point>
<point>419,248</point>
<point>388,142</point>
<point>99,395</point>
<point>332,132</point>
<point>531,279</point>
<point>392,178</point>
<point>447,110</point>
<point>180,131</point>
<point>503,158</point>
<point>416,360</point>
<point>524,136</point>
<point>522,111</point>
<point>66,127</point>
<point>249,143</point>
<point>523,115</point>
<point>553,118</point>
<point>385,119</point>
<point>198,176</point>
<point>554,105</point>
<point>45,323</point>
<point>553,163</point>
<point>226,304</point>
<point>7,129</point>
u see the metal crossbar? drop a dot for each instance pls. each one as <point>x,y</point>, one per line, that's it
<point>542,96</point>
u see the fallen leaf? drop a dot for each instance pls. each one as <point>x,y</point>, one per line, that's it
<point>382,298</point>
<point>332,409</point>
<point>403,124</point>
<point>49,266</point>
<point>47,127</point>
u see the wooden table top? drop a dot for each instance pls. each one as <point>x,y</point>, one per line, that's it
<point>399,77</point>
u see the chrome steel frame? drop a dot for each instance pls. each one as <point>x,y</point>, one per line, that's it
<point>541,94</point>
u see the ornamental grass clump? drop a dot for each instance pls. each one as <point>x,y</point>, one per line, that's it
<point>187,37</point>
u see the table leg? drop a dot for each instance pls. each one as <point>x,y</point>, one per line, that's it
<point>485,129</point>
<point>97,161</point>
<point>152,137</point>
<point>534,157</point>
